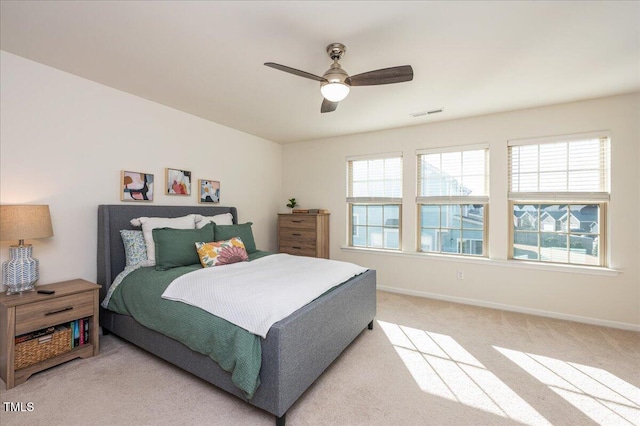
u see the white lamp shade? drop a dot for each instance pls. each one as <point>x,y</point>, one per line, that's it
<point>335,92</point>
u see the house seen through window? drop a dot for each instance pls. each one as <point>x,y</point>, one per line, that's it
<point>559,191</point>
<point>452,200</point>
<point>374,198</point>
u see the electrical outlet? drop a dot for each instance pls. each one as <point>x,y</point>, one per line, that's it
<point>460,274</point>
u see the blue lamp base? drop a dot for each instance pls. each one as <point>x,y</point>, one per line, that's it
<point>20,272</point>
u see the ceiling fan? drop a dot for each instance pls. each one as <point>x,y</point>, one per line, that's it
<point>336,83</point>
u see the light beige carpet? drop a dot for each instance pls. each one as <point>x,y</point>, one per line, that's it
<point>426,362</point>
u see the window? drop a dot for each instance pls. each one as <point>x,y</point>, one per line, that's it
<point>559,191</point>
<point>452,200</point>
<point>374,198</point>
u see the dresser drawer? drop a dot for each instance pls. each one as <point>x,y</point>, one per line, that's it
<point>298,249</point>
<point>296,243</point>
<point>299,221</point>
<point>295,234</point>
<point>46,313</point>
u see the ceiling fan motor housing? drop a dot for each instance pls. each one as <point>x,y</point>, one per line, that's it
<point>335,74</point>
<point>334,88</point>
<point>336,50</point>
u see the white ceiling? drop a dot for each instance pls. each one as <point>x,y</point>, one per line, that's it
<point>206,58</point>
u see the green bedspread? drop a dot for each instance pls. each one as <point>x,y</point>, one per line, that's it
<point>233,348</point>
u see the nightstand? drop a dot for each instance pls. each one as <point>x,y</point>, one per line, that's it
<point>28,312</point>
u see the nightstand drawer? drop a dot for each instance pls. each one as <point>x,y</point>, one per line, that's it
<point>298,221</point>
<point>34,316</point>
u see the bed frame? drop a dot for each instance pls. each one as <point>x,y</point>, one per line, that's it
<point>296,350</point>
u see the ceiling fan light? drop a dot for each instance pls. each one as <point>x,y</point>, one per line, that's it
<point>334,91</point>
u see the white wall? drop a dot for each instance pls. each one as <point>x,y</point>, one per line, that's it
<point>64,141</point>
<point>315,175</point>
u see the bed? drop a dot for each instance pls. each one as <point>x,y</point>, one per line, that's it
<point>291,361</point>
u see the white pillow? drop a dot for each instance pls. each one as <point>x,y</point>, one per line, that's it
<point>150,223</point>
<point>219,219</point>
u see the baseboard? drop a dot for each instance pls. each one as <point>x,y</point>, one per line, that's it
<point>512,308</point>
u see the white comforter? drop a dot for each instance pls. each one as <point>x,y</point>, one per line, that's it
<point>255,295</point>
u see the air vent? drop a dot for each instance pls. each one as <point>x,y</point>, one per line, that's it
<point>423,113</point>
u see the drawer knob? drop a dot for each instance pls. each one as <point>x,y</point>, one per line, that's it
<point>296,221</point>
<point>68,308</point>
<point>296,235</point>
<point>297,248</point>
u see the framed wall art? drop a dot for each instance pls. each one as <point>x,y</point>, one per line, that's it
<point>178,182</point>
<point>136,186</point>
<point>209,191</point>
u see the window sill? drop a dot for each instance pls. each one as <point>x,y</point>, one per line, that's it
<point>521,264</point>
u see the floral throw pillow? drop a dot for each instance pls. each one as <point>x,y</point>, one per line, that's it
<point>135,249</point>
<point>222,252</point>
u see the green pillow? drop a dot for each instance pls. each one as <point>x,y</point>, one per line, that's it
<point>177,247</point>
<point>227,232</point>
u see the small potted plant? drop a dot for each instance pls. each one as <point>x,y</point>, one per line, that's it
<point>292,204</point>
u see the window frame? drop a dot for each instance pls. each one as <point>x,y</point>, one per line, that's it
<point>485,245</point>
<point>568,198</point>
<point>448,200</point>
<point>351,225</point>
<point>602,234</point>
<point>374,200</point>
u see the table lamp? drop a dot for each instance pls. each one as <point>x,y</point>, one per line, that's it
<point>22,222</point>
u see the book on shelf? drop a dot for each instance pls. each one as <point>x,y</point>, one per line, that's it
<point>86,330</point>
<point>76,334</point>
<point>79,332</point>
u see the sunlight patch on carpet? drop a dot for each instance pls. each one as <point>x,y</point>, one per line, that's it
<point>442,367</point>
<point>600,395</point>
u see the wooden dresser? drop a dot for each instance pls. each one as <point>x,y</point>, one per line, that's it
<point>304,234</point>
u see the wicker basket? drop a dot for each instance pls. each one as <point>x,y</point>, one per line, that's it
<point>38,349</point>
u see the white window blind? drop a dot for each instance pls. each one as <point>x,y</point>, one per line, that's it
<point>374,180</point>
<point>570,168</point>
<point>454,175</point>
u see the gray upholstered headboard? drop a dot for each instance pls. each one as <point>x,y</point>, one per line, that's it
<point>113,218</point>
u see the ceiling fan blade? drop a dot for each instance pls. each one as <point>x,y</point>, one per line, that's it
<point>294,71</point>
<point>328,106</point>
<point>382,76</point>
